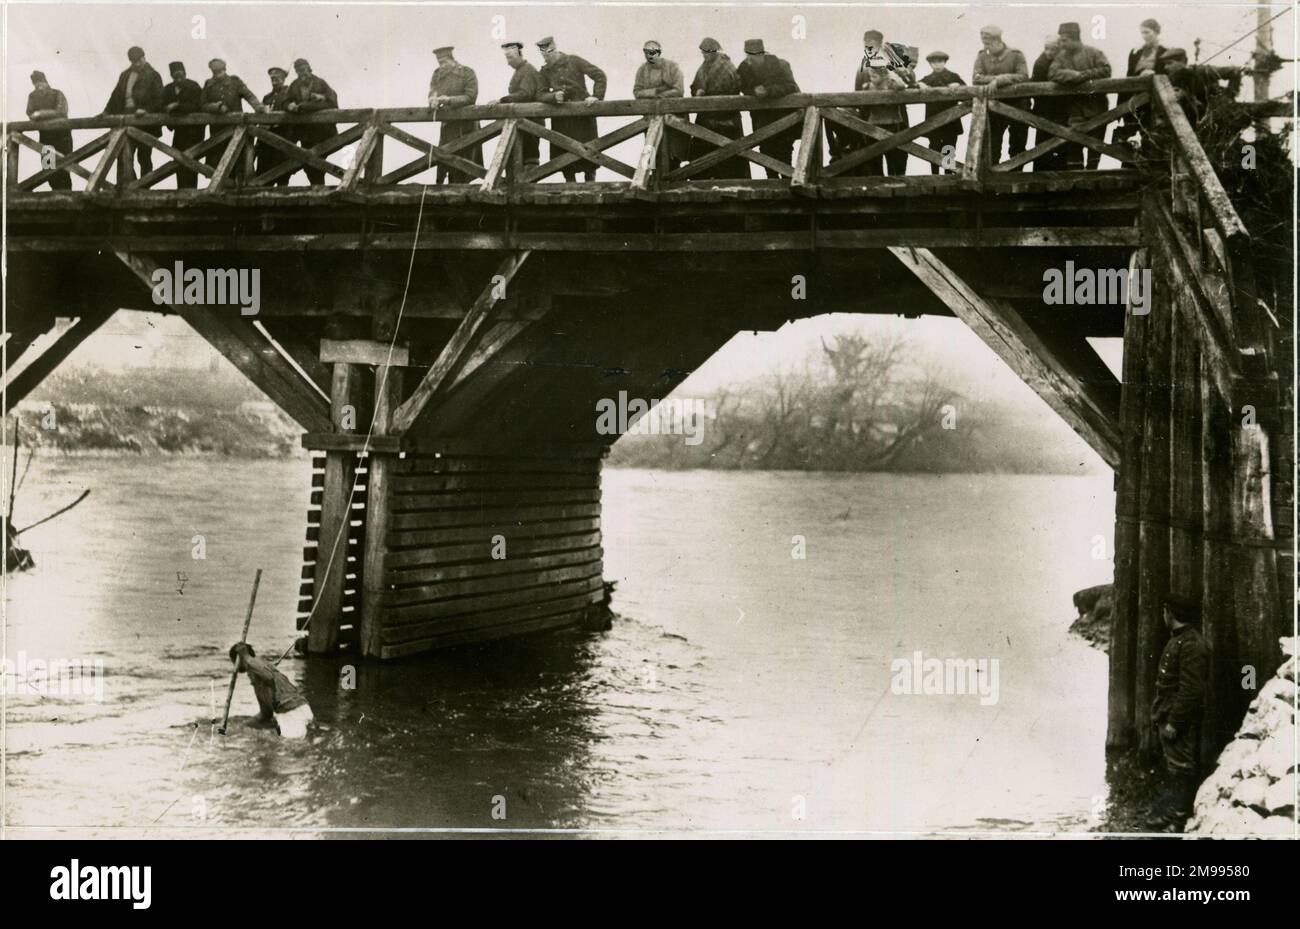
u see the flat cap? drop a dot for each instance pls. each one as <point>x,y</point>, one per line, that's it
<point>937,56</point>
<point>444,49</point>
<point>134,53</point>
<point>38,76</point>
<point>754,47</point>
<point>546,42</point>
<point>1070,29</point>
<point>518,45</point>
<point>217,61</point>
<point>873,34</point>
<point>709,45</point>
<point>301,61</point>
<point>994,31</point>
<point>279,71</point>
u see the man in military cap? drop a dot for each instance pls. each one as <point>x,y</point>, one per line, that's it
<point>1052,108</point>
<point>183,97</point>
<point>999,65</point>
<point>768,77</point>
<point>277,101</point>
<point>452,86</point>
<point>525,87</point>
<point>1076,63</point>
<point>660,79</point>
<point>223,94</point>
<point>310,94</point>
<point>717,77</point>
<point>940,76</point>
<point>138,92</point>
<point>44,102</point>
<point>1199,84</point>
<point>564,80</point>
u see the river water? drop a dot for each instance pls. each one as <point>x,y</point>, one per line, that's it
<point>741,689</point>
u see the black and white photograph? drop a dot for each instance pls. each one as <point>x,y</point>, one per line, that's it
<point>648,421</point>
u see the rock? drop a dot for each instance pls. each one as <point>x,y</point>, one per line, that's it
<point>1266,716</point>
<point>1251,792</point>
<point>1095,606</point>
<point>1279,799</point>
<point>1226,820</point>
<point>1086,599</point>
<point>1237,758</point>
<point>1277,689</point>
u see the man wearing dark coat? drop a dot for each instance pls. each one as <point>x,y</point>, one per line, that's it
<point>717,77</point>
<point>525,87</point>
<point>944,136</point>
<point>223,94</point>
<point>768,77</point>
<point>183,97</point>
<point>453,86</point>
<point>1048,107</point>
<point>137,93</point>
<point>44,102</point>
<point>276,101</point>
<point>564,80</point>
<point>1177,706</point>
<point>310,94</point>
<point>1077,63</point>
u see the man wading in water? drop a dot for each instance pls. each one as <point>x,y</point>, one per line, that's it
<point>280,701</point>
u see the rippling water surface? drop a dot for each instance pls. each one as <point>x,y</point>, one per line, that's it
<point>738,688</point>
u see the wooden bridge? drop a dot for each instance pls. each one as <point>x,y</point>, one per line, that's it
<point>471,327</point>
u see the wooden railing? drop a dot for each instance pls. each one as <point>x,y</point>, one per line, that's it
<point>228,159</point>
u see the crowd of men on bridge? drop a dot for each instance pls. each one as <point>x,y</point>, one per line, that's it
<point>563,78</point>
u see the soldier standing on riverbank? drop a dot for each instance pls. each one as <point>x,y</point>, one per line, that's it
<point>1176,709</point>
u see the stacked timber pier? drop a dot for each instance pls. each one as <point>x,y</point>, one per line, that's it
<point>444,347</point>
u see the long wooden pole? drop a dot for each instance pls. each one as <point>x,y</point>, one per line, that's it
<point>234,675</point>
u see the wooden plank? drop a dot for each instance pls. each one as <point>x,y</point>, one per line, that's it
<point>303,156</point>
<point>412,563</point>
<point>115,143</point>
<point>194,152</point>
<point>457,350</point>
<point>364,352</point>
<point>1120,719</point>
<point>422,542</point>
<point>501,156</point>
<point>403,522</point>
<point>460,606</point>
<point>424,585</point>
<point>645,164</point>
<point>352,176</point>
<point>482,464</point>
<point>474,499</point>
<point>977,142</point>
<point>69,162</point>
<point>217,182</point>
<point>896,140</point>
<point>434,155</point>
<point>808,162</point>
<point>290,165</point>
<point>1225,699</point>
<point>485,482</point>
<point>1002,329</point>
<point>374,616</point>
<point>403,639</point>
<point>1226,218</point>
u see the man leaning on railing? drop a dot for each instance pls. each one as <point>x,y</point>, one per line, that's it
<point>44,102</point>
<point>717,77</point>
<point>138,92</point>
<point>311,94</point>
<point>1077,63</point>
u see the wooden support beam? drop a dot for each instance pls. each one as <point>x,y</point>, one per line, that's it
<point>501,156</point>
<point>887,140</point>
<point>379,468</point>
<point>1001,328</point>
<point>456,353</point>
<point>302,347</point>
<point>1153,502</point>
<point>248,350</point>
<point>897,140</point>
<point>364,352</point>
<point>1225,698</point>
<point>808,161</point>
<point>228,160</point>
<point>37,362</point>
<point>645,164</point>
<point>69,162</point>
<point>116,141</point>
<point>360,158</point>
<point>1016,162</point>
<point>1069,134</point>
<point>977,143</point>
<point>731,148</point>
<point>330,569</point>
<point>1120,718</point>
